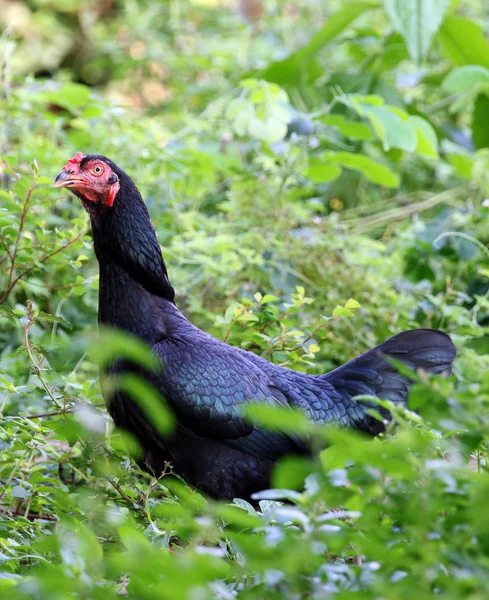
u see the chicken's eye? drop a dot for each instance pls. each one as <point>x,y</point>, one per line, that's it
<point>97,169</point>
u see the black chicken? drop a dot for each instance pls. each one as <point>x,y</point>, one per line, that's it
<point>205,381</point>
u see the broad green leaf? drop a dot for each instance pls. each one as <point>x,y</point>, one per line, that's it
<point>278,418</point>
<point>236,107</point>
<point>278,494</point>
<point>115,344</point>
<point>394,52</point>
<point>79,540</point>
<point>71,96</point>
<point>6,311</point>
<point>480,125</point>
<point>294,69</point>
<point>351,129</point>
<point>244,506</point>
<point>335,24</point>
<point>53,319</point>
<point>371,169</point>
<point>320,171</point>
<point>417,21</point>
<point>20,492</point>
<point>465,79</point>
<point>421,395</point>
<point>352,303</point>
<point>463,41</point>
<point>44,180</point>
<point>270,130</point>
<point>427,141</point>
<point>479,344</point>
<point>392,130</point>
<point>462,164</point>
<point>91,112</point>
<point>241,121</point>
<point>148,398</point>
<point>9,159</point>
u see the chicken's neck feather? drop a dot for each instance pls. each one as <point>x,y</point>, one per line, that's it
<point>123,234</point>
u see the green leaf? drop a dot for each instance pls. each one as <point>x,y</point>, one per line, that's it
<point>422,395</point>
<point>270,130</point>
<point>6,311</point>
<point>53,319</point>
<point>417,21</point>
<point>278,494</point>
<point>371,169</point>
<point>70,96</point>
<point>462,164</point>
<point>20,492</point>
<point>394,52</point>
<point>479,344</point>
<point>115,344</point>
<point>341,311</point>
<point>292,70</point>
<point>291,472</point>
<point>392,130</point>
<point>78,290</point>
<point>480,128</point>
<point>244,505</point>
<point>465,79</point>
<point>10,160</point>
<point>278,418</point>
<point>148,398</point>
<point>92,112</point>
<point>229,314</point>
<point>7,385</point>
<point>351,129</point>
<point>320,171</point>
<point>351,303</point>
<point>427,141</point>
<point>80,540</point>
<point>463,41</point>
<point>335,25</point>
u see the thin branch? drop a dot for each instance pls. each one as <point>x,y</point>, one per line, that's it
<point>123,495</point>
<point>41,260</point>
<point>36,367</point>
<point>48,414</point>
<point>23,216</point>
<point>68,286</point>
<point>63,411</point>
<point>7,250</point>
<point>309,337</point>
<point>9,512</point>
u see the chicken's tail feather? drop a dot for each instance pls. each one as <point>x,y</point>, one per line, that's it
<point>371,374</point>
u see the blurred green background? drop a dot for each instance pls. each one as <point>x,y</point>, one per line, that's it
<point>317,173</point>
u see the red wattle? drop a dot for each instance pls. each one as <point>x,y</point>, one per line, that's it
<point>111,194</point>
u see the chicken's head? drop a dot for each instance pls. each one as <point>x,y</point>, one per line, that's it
<point>91,177</point>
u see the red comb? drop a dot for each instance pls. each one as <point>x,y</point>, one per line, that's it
<point>76,160</point>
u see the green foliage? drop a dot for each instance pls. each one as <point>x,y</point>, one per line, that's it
<point>314,191</point>
<point>464,42</point>
<point>417,22</point>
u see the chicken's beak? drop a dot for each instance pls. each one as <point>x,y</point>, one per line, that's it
<point>66,180</point>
